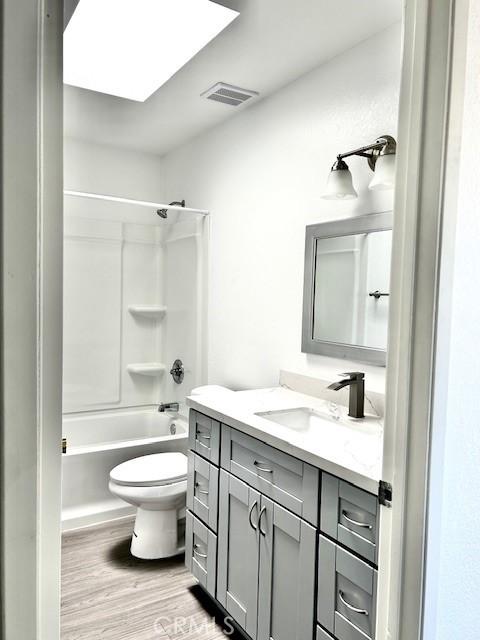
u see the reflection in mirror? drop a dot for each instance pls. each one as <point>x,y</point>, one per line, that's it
<point>352,275</point>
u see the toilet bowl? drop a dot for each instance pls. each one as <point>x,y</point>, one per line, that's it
<point>157,485</point>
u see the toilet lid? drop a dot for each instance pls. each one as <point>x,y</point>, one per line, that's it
<point>151,471</point>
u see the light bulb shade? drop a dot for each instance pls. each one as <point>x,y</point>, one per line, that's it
<point>340,186</point>
<point>384,176</point>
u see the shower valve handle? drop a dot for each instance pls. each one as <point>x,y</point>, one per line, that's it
<point>177,371</point>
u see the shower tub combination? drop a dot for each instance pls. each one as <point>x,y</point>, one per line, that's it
<point>96,443</point>
<point>134,303</point>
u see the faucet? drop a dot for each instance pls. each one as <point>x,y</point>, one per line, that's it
<point>356,401</point>
<point>168,406</point>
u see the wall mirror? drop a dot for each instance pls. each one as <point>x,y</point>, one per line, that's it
<point>347,288</point>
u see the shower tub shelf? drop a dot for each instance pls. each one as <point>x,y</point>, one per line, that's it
<point>153,369</point>
<point>154,312</point>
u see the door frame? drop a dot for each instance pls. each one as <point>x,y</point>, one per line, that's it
<point>31,320</point>
<point>429,131</point>
<point>31,279</point>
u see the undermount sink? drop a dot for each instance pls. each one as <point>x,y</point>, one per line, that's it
<point>299,419</point>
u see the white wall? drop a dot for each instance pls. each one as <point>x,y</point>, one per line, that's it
<point>261,174</point>
<point>453,575</point>
<point>112,171</point>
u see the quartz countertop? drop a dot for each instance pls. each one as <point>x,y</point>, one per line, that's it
<point>346,447</point>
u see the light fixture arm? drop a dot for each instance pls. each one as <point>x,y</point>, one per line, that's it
<point>384,145</point>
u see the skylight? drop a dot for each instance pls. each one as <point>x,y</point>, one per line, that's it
<point>130,48</point>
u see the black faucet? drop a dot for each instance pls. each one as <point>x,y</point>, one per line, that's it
<point>356,400</point>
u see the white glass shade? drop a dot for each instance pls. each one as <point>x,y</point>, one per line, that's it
<point>340,186</point>
<point>384,176</point>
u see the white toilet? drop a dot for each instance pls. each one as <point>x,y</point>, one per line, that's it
<point>157,486</point>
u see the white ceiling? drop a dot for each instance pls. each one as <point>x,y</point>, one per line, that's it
<point>272,43</point>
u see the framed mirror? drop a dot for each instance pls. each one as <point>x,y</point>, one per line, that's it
<point>346,288</point>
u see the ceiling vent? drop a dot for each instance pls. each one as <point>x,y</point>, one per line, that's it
<point>229,94</point>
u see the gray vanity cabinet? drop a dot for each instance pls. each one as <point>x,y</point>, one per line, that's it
<point>238,551</point>
<point>287,575</point>
<point>288,557</point>
<point>266,568</point>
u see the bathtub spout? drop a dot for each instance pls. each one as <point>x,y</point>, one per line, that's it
<point>169,406</point>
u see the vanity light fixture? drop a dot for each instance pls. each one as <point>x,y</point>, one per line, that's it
<point>130,48</point>
<point>381,160</point>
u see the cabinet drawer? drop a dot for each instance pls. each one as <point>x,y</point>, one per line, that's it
<point>202,490</point>
<point>281,477</point>
<point>201,552</point>
<point>204,436</point>
<point>347,592</point>
<point>349,515</point>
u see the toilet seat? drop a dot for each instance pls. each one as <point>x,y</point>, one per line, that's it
<point>155,470</point>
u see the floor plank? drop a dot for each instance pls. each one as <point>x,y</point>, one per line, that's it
<point>107,594</point>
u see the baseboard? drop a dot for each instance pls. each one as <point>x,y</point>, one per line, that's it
<point>91,518</point>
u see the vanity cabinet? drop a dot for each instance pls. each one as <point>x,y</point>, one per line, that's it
<point>287,550</point>
<point>266,577</point>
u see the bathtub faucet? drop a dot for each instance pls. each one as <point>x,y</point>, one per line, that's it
<point>169,406</point>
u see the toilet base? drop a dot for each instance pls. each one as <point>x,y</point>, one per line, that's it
<point>155,535</point>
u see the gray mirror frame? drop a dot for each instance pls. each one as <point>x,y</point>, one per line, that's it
<point>344,227</point>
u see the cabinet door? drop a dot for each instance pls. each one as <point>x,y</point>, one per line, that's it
<point>286,600</point>
<point>238,551</point>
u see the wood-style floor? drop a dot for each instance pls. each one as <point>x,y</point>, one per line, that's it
<point>109,595</point>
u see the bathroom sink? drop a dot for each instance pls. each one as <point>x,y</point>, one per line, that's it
<point>299,419</point>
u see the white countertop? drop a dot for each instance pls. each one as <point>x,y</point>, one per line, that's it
<point>349,448</point>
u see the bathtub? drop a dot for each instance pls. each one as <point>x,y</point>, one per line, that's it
<point>97,442</point>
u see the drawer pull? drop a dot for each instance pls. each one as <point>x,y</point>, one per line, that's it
<point>198,486</point>
<point>197,552</point>
<point>362,612</point>
<point>263,510</point>
<point>254,506</point>
<point>261,468</point>
<point>364,525</point>
<point>199,434</point>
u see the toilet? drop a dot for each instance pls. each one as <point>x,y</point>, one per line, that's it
<point>157,485</point>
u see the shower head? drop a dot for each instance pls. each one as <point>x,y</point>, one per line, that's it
<point>163,213</point>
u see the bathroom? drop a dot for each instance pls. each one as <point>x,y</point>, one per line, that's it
<point>236,221</point>
<point>198,286</point>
